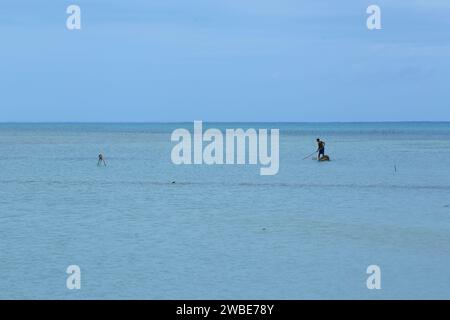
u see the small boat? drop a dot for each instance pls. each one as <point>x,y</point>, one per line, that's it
<point>324,158</point>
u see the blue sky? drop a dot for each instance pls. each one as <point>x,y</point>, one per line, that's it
<point>217,60</point>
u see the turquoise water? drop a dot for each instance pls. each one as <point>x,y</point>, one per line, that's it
<point>224,231</point>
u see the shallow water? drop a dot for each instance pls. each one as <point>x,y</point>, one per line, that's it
<point>224,231</point>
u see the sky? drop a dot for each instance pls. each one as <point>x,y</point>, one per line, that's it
<point>224,60</point>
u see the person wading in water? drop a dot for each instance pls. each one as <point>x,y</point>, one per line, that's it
<point>101,160</point>
<point>320,148</point>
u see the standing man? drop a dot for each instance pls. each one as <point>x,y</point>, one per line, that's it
<point>101,160</point>
<point>320,148</point>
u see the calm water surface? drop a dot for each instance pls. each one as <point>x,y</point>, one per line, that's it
<point>224,231</point>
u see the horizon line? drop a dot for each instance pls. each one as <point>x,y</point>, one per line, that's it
<point>191,121</point>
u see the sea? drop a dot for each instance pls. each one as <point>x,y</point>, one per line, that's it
<point>144,228</point>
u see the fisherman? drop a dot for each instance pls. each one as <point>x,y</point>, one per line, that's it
<point>101,160</point>
<point>320,148</point>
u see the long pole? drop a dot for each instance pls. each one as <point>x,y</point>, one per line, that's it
<point>309,155</point>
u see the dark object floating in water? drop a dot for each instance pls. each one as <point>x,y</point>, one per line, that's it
<point>173,182</point>
<point>324,158</point>
<point>264,229</point>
